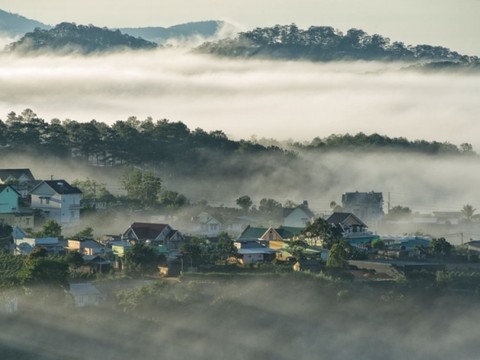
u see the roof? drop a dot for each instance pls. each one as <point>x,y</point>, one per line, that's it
<point>62,187</point>
<point>252,233</point>
<point>287,232</point>
<point>3,187</point>
<point>303,207</point>
<point>83,289</point>
<point>345,218</point>
<point>255,251</point>
<point>149,231</point>
<point>15,173</point>
<point>59,186</point>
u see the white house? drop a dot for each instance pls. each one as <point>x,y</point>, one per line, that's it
<point>58,200</point>
<point>207,225</point>
<point>299,216</point>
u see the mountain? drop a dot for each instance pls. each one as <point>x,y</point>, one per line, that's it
<point>72,38</point>
<point>324,43</point>
<point>181,33</point>
<point>13,25</point>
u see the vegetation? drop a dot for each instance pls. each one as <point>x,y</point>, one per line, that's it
<point>375,142</point>
<point>324,43</point>
<point>69,37</point>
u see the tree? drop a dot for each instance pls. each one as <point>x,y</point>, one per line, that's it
<point>270,207</point>
<point>74,258</point>
<point>86,233</point>
<point>398,212</point>
<point>50,229</point>
<point>45,271</point>
<point>338,257</point>
<point>224,248</point>
<point>297,249</point>
<point>196,251</point>
<point>468,212</point>
<point>335,207</point>
<point>441,247</point>
<point>321,230</point>
<point>142,186</point>
<point>244,202</point>
<point>92,192</point>
<point>141,259</point>
<point>378,244</point>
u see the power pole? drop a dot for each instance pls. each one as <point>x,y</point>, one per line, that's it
<point>388,202</point>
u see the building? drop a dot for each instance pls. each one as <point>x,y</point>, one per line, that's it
<point>58,201</point>
<point>352,229</point>
<point>155,234</point>
<point>20,179</point>
<point>365,205</point>
<point>299,216</point>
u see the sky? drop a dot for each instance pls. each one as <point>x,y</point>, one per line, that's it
<point>449,23</point>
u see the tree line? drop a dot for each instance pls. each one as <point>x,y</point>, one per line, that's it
<point>361,141</point>
<point>324,43</point>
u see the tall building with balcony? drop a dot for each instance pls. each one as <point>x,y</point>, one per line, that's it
<point>58,201</point>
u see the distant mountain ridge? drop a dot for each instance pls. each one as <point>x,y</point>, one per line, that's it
<point>324,43</point>
<point>161,35</point>
<point>13,25</point>
<point>72,38</point>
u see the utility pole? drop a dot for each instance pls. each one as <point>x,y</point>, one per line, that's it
<point>388,202</point>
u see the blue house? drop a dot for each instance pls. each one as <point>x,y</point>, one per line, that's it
<point>8,199</point>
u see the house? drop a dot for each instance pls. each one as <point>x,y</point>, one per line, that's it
<point>299,216</point>
<point>448,217</point>
<point>86,246</point>
<point>156,234</point>
<point>26,245</point>
<point>282,233</point>
<point>16,176</point>
<point>58,200</point>
<point>207,225</point>
<point>365,205</point>
<point>251,252</point>
<point>85,294</point>
<point>237,225</point>
<point>354,230</point>
<point>20,179</point>
<point>473,245</point>
<point>8,199</point>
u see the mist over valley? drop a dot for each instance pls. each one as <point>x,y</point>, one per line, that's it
<point>189,149</point>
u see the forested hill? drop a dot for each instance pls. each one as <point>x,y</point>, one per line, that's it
<point>163,142</point>
<point>72,38</point>
<point>324,43</point>
<point>376,142</point>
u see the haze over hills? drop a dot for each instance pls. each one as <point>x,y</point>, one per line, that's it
<point>183,32</point>
<point>13,25</point>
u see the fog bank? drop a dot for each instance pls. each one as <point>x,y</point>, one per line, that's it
<point>279,99</point>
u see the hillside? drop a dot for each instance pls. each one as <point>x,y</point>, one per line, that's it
<point>13,25</point>
<point>72,38</point>
<point>181,32</point>
<point>324,43</point>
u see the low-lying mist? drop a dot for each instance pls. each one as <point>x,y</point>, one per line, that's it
<point>262,318</point>
<point>279,99</point>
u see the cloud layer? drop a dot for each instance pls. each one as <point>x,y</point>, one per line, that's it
<point>269,99</point>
